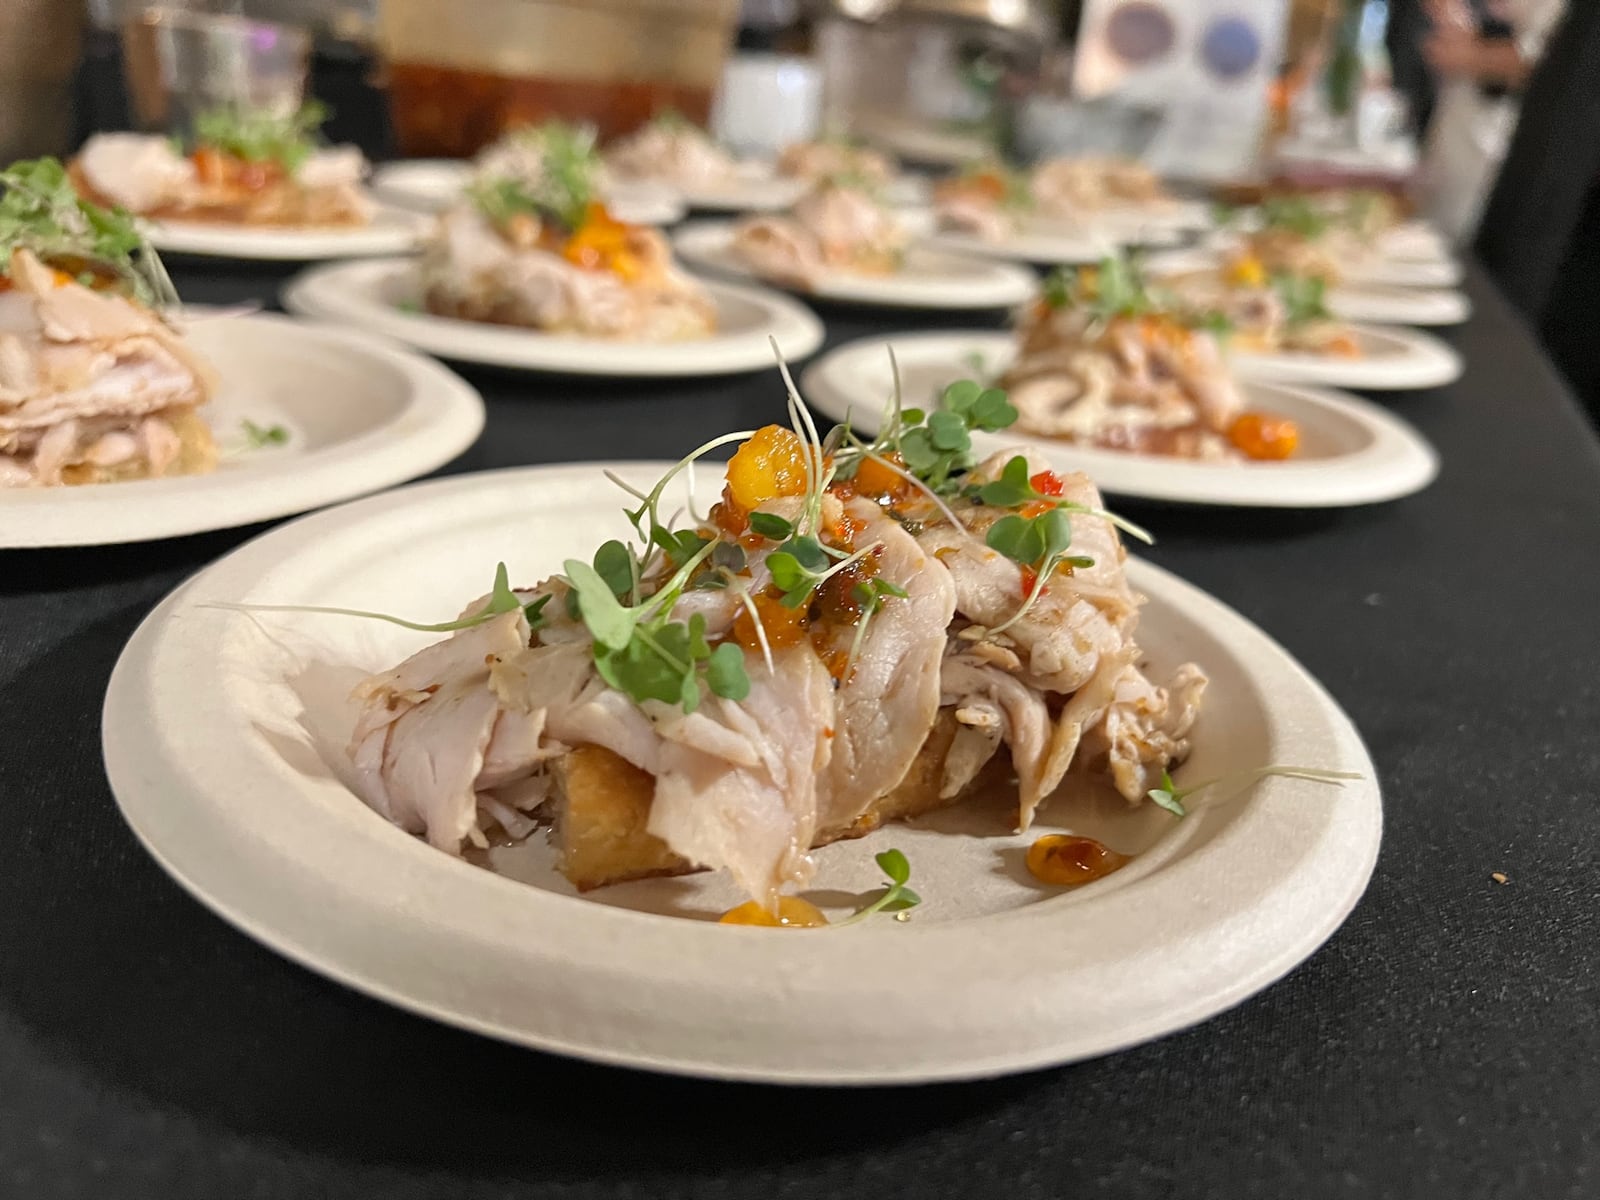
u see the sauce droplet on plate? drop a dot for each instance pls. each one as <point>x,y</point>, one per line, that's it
<point>1069,861</point>
<point>793,913</point>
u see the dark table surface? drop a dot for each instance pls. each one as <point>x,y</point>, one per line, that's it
<point>1444,1044</point>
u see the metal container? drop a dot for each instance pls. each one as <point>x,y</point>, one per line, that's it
<point>457,79</point>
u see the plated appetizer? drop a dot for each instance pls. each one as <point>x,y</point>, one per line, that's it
<point>1265,312</point>
<point>857,633</point>
<point>1104,361</point>
<point>532,245</point>
<point>841,225</point>
<point>237,167</point>
<point>1322,236</point>
<point>994,202</point>
<point>671,149</point>
<point>95,386</point>
<point>988,200</point>
<point>828,158</point>
<point>1072,186</point>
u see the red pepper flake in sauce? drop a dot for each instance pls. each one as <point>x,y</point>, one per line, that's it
<point>1066,860</point>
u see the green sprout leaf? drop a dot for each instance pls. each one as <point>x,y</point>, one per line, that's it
<point>610,623</point>
<point>725,673</point>
<point>613,562</point>
<point>896,897</point>
<point>257,136</point>
<point>770,525</point>
<point>40,211</point>
<point>259,437</point>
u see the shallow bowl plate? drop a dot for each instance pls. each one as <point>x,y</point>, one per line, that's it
<point>391,231</point>
<point>382,296</point>
<point>927,279</point>
<point>359,413</point>
<point>221,734</point>
<point>1351,452</point>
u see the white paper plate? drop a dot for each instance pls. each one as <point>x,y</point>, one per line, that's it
<point>1403,272</point>
<point>754,187</point>
<point>361,415</point>
<point>1349,302</point>
<point>1351,452</point>
<point>208,752</point>
<point>432,184</point>
<point>929,278</point>
<point>1048,246</point>
<point>368,295</point>
<point>1392,359</point>
<point>391,231</point>
<point>1410,260</point>
<point>1382,305</point>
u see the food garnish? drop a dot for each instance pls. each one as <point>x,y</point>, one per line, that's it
<point>258,437</point>
<point>1171,797</point>
<point>896,897</point>
<point>565,191</point>
<point>42,213</point>
<point>255,135</point>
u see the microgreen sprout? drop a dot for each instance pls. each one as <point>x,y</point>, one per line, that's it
<point>1304,297</point>
<point>258,437</point>
<point>42,212</point>
<point>639,649</point>
<point>1171,797</point>
<point>257,135</point>
<point>896,896</point>
<point>1113,288</point>
<point>567,183</point>
<point>501,601</point>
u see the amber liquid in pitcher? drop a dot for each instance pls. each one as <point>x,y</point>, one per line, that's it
<point>450,112</point>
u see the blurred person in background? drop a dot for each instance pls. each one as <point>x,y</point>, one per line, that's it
<point>1480,61</point>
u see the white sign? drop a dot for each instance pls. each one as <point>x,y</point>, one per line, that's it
<point>1206,64</point>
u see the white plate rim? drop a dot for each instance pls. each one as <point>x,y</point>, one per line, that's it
<point>1397,461</point>
<point>431,185</point>
<point>443,417</point>
<point>1413,360</point>
<point>393,230</point>
<point>417,183</point>
<point>986,283</point>
<point>343,293</point>
<point>1242,951</point>
<point>1372,303</point>
<point>1049,249</point>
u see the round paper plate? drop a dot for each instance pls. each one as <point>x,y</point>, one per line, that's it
<point>754,187</point>
<point>1403,272</point>
<point>1391,359</point>
<point>1351,452</point>
<point>1047,246</point>
<point>431,184</point>
<point>928,278</point>
<point>391,231</point>
<point>360,414</point>
<point>372,294</point>
<point>1377,303</point>
<point>992,973</point>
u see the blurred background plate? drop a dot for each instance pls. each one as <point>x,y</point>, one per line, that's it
<point>1351,452</point>
<point>382,296</point>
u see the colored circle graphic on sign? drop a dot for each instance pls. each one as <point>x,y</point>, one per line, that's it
<point>1140,32</point>
<point>1230,47</point>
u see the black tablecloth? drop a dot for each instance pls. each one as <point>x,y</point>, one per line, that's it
<point>1444,1044</point>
